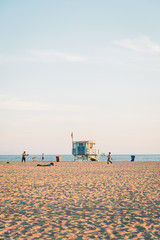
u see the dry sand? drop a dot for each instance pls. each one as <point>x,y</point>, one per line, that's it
<point>80,200</point>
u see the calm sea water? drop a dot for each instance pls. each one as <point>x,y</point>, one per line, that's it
<point>139,157</point>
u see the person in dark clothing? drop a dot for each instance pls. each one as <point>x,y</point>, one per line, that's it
<point>109,158</point>
<point>46,165</point>
<point>24,156</point>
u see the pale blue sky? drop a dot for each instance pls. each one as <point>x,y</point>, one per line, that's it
<point>88,66</point>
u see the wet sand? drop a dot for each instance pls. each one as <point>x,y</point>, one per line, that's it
<point>80,200</point>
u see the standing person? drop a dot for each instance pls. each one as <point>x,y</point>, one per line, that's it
<point>24,156</point>
<point>42,156</point>
<point>109,158</point>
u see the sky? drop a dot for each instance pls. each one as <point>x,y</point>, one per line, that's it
<point>91,67</point>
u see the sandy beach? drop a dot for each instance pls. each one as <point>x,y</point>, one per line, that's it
<point>80,200</point>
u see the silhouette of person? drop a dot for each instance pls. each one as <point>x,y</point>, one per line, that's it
<point>109,158</point>
<point>24,156</point>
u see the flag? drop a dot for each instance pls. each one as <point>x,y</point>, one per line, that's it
<point>72,135</point>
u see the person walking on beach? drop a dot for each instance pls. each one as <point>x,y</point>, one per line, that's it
<point>42,156</point>
<point>24,156</point>
<point>109,158</point>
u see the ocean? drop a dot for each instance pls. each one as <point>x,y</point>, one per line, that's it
<point>121,157</point>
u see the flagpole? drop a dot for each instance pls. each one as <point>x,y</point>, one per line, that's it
<point>72,136</point>
<point>72,141</point>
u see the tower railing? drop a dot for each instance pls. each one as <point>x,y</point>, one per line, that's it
<point>92,151</point>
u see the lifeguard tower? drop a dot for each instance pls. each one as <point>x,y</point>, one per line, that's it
<point>84,150</point>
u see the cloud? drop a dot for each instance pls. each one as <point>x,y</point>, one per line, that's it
<point>16,104</point>
<point>142,44</point>
<point>51,55</point>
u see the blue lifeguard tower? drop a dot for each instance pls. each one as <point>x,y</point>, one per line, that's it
<point>83,150</point>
